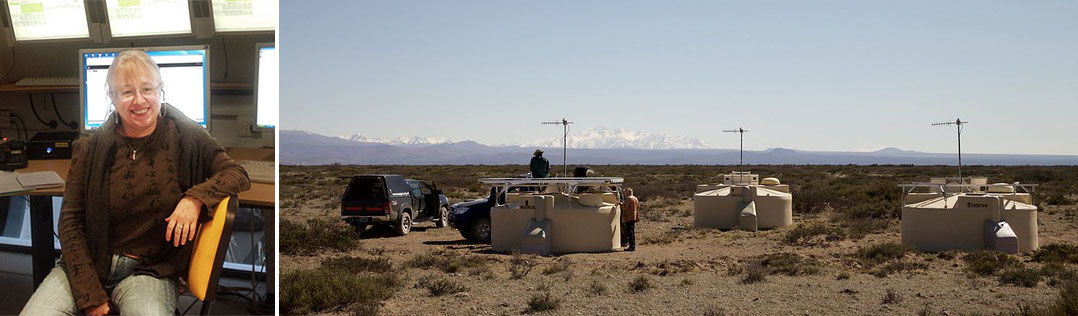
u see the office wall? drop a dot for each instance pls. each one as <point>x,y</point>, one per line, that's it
<point>232,60</point>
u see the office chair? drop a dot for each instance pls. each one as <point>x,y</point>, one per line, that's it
<point>208,257</point>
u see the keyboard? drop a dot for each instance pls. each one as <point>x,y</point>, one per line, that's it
<point>47,81</point>
<point>260,171</point>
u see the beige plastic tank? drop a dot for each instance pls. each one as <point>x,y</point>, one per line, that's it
<point>584,222</point>
<point>957,221</point>
<point>748,207</point>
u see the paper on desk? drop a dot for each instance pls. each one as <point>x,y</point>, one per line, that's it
<point>9,183</point>
<point>40,180</point>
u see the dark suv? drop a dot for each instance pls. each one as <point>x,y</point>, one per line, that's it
<point>472,218</point>
<point>392,200</point>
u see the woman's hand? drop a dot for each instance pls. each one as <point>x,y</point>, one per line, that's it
<point>184,220</point>
<point>100,310</point>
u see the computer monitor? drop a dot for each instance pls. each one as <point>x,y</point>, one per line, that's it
<point>266,86</point>
<point>47,20</point>
<point>244,15</point>
<point>145,18</point>
<point>185,71</point>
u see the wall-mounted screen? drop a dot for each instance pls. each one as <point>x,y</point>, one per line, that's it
<point>266,86</point>
<point>148,17</point>
<point>244,15</point>
<point>46,20</point>
<point>185,71</point>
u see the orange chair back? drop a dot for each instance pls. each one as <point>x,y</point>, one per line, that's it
<point>211,244</point>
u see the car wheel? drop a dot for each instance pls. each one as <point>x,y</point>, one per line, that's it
<point>481,230</point>
<point>467,234</point>
<point>443,217</point>
<point>405,224</point>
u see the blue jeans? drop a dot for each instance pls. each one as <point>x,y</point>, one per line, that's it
<point>130,294</point>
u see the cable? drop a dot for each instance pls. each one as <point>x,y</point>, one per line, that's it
<point>189,307</point>
<point>51,124</point>
<point>254,282</point>
<point>225,48</point>
<point>73,125</point>
<point>24,132</point>
<point>12,65</point>
<point>16,127</point>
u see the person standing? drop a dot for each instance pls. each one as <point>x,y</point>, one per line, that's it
<point>540,166</point>
<point>630,214</point>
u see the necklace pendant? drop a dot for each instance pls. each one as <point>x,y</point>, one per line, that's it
<point>133,155</point>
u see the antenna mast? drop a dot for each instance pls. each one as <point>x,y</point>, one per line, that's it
<point>957,123</point>
<point>741,163</point>
<point>564,143</point>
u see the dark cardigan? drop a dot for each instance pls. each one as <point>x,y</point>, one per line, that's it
<point>197,152</point>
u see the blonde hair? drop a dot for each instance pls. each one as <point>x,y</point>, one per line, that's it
<point>131,61</point>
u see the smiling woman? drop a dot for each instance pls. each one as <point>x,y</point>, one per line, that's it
<point>134,88</point>
<point>136,192</point>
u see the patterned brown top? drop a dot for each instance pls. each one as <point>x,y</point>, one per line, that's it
<point>142,192</point>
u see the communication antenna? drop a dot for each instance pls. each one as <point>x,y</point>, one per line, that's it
<point>957,123</point>
<point>741,163</point>
<point>564,143</point>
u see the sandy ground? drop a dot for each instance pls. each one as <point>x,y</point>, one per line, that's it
<point>690,276</point>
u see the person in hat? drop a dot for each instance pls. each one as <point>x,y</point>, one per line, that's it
<point>539,165</point>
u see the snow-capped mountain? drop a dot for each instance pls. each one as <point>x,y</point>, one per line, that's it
<point>600,137</point>
<point>415,140</point>
<point>364,138</point>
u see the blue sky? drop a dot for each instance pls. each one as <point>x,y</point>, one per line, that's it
<point>813,75</point>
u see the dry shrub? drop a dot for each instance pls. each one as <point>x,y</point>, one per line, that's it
<point>313,291</point>
<point>755,272</point>
<point>686,282</point>
<point>1057,252</point>
<point>438,286</point>
<point>1026,277</point>
<point>789,264</point>
<point>358,264</point>
<point>813,234</point>
<point>596,288</point>
<point>563,265</point>
<point>892,297</point>
<point>988,262</point>
<point>1057,273</point>
<point>858,229</point>
<point>640,284</point>
<point>520,266</point>
<point>733,270</point>
<point>714,311</point>
<point>542,302</point>
<point>1065,304</point>
<point>667,267</point>
<point>316,236</point>
<point>882,252</point>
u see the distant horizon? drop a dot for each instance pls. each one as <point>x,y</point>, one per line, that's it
<point>454,141</point>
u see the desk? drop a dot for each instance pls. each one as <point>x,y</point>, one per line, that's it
<point>41,233</point>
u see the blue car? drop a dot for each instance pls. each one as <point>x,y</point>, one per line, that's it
<point>472,218</point>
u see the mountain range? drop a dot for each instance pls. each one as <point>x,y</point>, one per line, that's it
<point>600,137</point>
<point>299,147</point>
